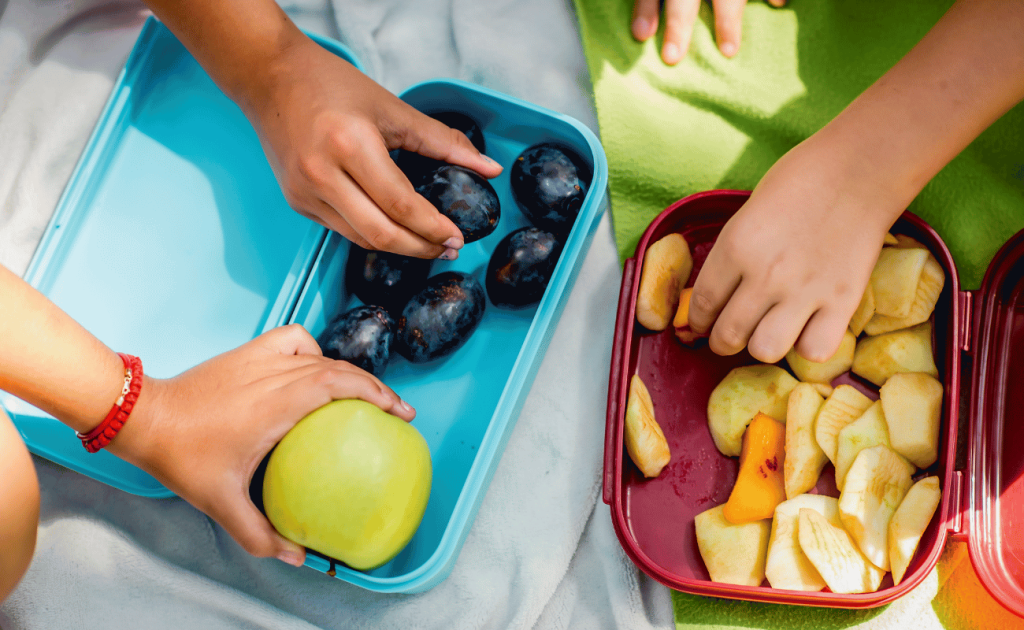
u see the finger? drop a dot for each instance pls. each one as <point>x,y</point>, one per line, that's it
<point>331,220</point>
<point>822,335</point>
<point>778,331</point>
<point>728,24</point>
<point>778,4</point>
<point>424,135</point>
<point>255,534</point>
<point>645,19</point>
<point>375,227</point>
<point>317,387</point>
<point>738,320</point>
<point>378,176</point>
<point>291,339</point>
<point>714,285</point>
<point>680,16</point>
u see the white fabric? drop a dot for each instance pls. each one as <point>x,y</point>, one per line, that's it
<point>541,553</point>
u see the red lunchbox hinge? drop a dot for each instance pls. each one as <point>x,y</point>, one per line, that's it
<point>965,303</point>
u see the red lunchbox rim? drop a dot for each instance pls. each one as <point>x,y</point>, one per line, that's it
<point>957,493</point>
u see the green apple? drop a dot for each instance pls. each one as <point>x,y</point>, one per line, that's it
<point>350,481</point>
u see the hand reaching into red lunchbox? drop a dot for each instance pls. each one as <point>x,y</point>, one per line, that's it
<point>325,126</point>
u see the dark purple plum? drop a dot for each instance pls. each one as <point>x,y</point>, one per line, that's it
<point>383,278</point>
<point>416,167</point>
<point>361,336</point>
<point>441,317</point>
<point>465,124</point>
<point>521,266</point>
<point>465,198</point>
<point>549,184</point>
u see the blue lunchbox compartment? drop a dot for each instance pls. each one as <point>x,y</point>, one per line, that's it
<point>174,183</point>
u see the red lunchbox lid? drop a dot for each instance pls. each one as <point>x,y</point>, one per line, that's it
<point>982,501</point>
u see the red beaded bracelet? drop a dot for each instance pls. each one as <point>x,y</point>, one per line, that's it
<point>102,435</point>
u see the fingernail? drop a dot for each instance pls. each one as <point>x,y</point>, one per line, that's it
<point>671,53</point>
<point>728,49</point>
<point>406,407</point>
<point>449,254</point>
<point>290,557</point>
<point>454,243</point>
<point>487,159</point>
<point>641,28</point>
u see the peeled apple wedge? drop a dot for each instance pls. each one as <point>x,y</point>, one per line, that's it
<point>908,524</point>
<point>743,393</point>
<point>838,363</point>
<point>733,554</point>
<point>787,565</point>
<point>681,322</point>
<point>667,267</point>
<point>845,405</point>
<point>759,484</point>
<point>912,403</point>
<point>907,350</point>
<point>889,240</point>
<point>804,458</point>
<point>894,279</point>
<point>875,485</point>
<point>645,441</point>
<point>864,432</point>
<point>933,277</point>
<point>834,554</point>
<point>865,311</point>
<point>906,242</point>
<point>823,388</point>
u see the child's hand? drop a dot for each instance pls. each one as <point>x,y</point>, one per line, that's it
<point>327,129</point>
<point>680,16</point>
<point>203,433</point>
<point>791,266</point>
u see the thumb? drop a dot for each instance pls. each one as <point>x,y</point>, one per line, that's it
<point>434,139</point>
<point>256,535</point>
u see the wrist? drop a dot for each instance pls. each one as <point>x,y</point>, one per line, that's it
<point>138,441</point>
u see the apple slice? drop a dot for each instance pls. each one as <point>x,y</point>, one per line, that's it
<point>912,402</point>
<point>864,432</point>
<point>787,566</point>
<point>743,393</point>
<point>889,240</point>
<point>907,350</point>
<point>823,388</point>
<point>845,405</point>
<point>865,311</point>
<point>908,524</point>
<point>837,559</point>
<point>875,485</point>
<point>667,267</point>
<point>933,278</point>
<point>905,242</point>
<point>681,322</point>
<point>812,372</point>
<point>733,554</point>
<point>645,441</point>
<point>804,458</point>
<point>894,279</point>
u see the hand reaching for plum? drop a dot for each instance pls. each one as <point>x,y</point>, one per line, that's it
<point>680,16</point>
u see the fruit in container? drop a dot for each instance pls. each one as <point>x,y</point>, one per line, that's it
<point>875,484</point>
<point>866,431</point>
<point>384,279</point>
<point>912,402</point>
<point>521,267</point>
<point>465,198</point>
<point>760,484</point>
<point>804,457</point>
<point>909,523</point>
<point>549,184</point>
<point>441,317</point>
<point>835,555</point>
<point>743,393</point>
<point>681,321</point>
<point>824,389</point>
<point>416,166</point>
<point>929,288</point>
<point>895,278</point>
<point>349,481</point>
<point>362,336</point>
<point>666,269</point>
<point>908,350</point>
<point>865,311</point>
<point>890,240</point>
<point>845,405</point>
<point>787,566</point>
<point>733,554</point>
<point>645,441</point>
<point>838,363</point>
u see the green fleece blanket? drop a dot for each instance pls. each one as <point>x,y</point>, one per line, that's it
<point>712,122</point>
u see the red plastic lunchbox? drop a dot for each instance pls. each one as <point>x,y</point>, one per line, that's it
<point>982,489</point>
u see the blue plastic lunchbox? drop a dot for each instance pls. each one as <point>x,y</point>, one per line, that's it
<point>174,183</point>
